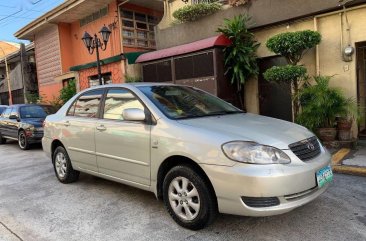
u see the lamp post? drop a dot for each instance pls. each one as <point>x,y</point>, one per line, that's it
<point>94,44</point>
<point>7,77</point>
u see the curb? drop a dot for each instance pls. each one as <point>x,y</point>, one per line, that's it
<point>337,166</point>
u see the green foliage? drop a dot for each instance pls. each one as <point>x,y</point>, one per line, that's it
<point>33,98</point>
<point>68,91</point>
<point>240,56</point>
<point>193,12</point>
<point>321,104</point>
<point>293,45</point>
<point>286,73</point>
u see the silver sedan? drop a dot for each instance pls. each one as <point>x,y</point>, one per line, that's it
<point>196,152</point>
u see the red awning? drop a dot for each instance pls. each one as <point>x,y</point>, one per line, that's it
<point>220,40</point>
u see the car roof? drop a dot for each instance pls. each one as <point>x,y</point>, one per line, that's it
<point>136,84</point>
<point>21,105</point>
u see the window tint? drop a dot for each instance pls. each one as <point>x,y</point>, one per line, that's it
<point>33,111</point>
<point>87,105</point>
<point>2,109</point>
<point>118,100</point>
<point>7,112</point>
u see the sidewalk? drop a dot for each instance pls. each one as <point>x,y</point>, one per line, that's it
<point>349,161</point>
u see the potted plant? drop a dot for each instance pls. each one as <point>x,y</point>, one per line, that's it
<point>344,122</point>
<point>320,106</point>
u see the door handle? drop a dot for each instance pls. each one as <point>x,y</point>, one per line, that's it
<point>101,128</point>
<point>67,123</point>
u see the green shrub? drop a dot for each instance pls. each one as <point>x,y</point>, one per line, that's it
<point>132,79</point>
<point>193,12</point>
<point>285,73</point>
<point>68,91</point>
<point>293,45</point>
<point>321,104</point>
<point>241,55</point>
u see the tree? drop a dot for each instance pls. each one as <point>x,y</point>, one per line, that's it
<point>68,91</point>
<point>240,55</point>
<point>293,46</point>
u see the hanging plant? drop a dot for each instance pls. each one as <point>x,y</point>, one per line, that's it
<point>193,12</point>
<point>236,3</point>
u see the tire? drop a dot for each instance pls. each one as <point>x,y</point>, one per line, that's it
<point>62,166</point>
<point>2,140</point>
<point>22,141</point>
<point>193,207</point>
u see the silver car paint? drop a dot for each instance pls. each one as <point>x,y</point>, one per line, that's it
<point>201,140</point>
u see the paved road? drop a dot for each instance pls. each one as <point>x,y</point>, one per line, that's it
<point>35,206</point>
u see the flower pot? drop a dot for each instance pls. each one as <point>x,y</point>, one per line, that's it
<point>327,134</point>
<point>344,135</point>
<point>344,124</point>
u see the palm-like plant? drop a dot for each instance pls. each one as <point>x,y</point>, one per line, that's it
<point>321,104</point>
<point>240,56</point>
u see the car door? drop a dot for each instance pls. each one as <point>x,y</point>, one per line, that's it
<point>79,130</point>
<point>123,147</point>
<point>4,122</point>
<point>13,123</point>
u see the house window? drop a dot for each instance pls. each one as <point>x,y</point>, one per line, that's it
<point>94,81</point>
<point>138,29</point>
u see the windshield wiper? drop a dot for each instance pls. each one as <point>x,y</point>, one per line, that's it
<point>216,113</point>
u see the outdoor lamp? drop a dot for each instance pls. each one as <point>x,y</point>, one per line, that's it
<point>105,32</point>
<point>87,39</point>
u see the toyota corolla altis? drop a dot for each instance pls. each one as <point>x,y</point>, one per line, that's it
<point>196,152</point>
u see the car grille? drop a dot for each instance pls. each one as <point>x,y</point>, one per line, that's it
<point>261,202</point>
<point>306,149</point>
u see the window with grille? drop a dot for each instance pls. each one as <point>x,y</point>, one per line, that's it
<point>94,80</point>
<point>195,66</point>
<point>138,29</point>
<point>94,16</point>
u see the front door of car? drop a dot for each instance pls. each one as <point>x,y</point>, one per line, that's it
<point>14,122</point>
<point>78,130</point>
<point>123,147</point>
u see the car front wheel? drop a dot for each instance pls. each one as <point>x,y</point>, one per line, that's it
<point>2,140</point>
<point>188,199</point>
<point>22,141</point>
<point>62,166</point>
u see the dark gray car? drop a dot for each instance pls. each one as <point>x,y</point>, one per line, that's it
<point>23,123</point>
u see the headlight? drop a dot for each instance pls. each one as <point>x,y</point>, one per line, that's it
<point>254,153</point>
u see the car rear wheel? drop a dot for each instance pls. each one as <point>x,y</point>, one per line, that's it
<point>22,141</point>
<point>62,166</point>
<point>188,199</point>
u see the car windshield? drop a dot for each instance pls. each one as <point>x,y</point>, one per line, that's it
<point>180,102</point>
<point>33,111</point>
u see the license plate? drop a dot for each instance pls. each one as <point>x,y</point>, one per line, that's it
<point>324,176</point>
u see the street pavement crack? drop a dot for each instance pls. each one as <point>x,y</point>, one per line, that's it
<point>11,231</point>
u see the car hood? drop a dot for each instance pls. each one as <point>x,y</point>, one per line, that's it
<point>250,127</point>
<point>36,122</point>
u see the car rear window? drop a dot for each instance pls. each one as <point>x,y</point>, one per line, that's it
<point>33,111</point>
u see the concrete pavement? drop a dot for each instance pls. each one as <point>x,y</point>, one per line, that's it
<point>35,206</point>
<point>349,161</point>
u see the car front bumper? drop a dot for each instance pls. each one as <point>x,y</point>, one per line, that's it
<point>292,185</point>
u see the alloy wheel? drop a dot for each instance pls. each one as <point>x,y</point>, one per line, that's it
<point>184,198</point>
<point>61,165</point>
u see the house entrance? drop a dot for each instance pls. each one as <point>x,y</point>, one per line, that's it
<point>274,98</point>
<point>361,82</point>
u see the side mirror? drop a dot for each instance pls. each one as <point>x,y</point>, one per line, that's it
<point>13,117</point>
<point>133,114</point>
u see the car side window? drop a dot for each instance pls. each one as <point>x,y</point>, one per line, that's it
<point>117,101</point>
<point>14,112</point>
<point>7,112</point>
<point>87,104</point>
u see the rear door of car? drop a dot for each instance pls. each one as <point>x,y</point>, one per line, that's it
<point>78,134</point>
<point>123,147</point>
<point>4,122</point>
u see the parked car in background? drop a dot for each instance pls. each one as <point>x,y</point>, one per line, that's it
<point>198,153</point>
<point>2,108</point>
<point>23,123</point>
